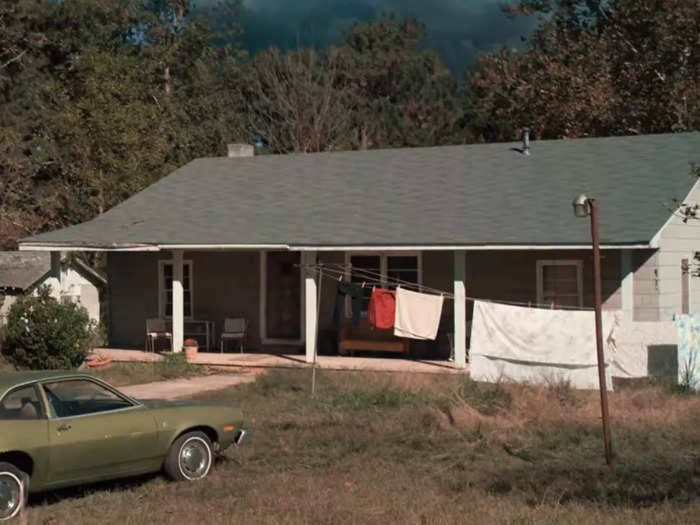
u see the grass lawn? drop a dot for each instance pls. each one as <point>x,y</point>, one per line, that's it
<point>121,374</point>
<point>382,448</point>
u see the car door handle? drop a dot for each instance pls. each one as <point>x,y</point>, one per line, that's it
<point>63,428</point>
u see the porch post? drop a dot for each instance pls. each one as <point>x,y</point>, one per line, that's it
<point>311,317</point>
<point>460,309</point>
<point>627,284</point>
<point>178,302</point>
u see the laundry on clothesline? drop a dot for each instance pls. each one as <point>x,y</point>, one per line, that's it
<point>356,294</point>
<point>688,350</point>
<point>535,345</point>
<point>417,314</point>
<point>382,308</point>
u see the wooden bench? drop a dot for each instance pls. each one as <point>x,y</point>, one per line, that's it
<point>366,337</point>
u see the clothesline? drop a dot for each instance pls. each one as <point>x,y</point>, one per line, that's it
<point>337,271</point>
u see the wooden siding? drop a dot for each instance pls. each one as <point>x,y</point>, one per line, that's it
<point>677,241</point>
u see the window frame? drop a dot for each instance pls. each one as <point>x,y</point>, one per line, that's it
<point>39,395</point>
<point>48,408</point>
<point>384,270</point>
<point>161,287</point>
<point>542,263</point>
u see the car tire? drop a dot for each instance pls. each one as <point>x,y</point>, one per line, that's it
<point>190,458</point>
<point>14,491</point>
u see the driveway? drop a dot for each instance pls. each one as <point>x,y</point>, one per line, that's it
<point>187,387</point>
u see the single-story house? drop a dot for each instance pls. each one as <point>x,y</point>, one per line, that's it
<point>231,237</point>
<point>23,272</point>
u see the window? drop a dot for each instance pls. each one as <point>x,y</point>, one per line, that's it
<point>560,283</point>
<point>388,268</point>
<point>22,403</point>
<point>165,289</point>
<point>80,397</point>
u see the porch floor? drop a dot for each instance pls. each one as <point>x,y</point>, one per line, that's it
<point>245,360</point>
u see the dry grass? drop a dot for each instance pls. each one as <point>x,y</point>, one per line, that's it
<point>382,448</point>
<point>121,374</point>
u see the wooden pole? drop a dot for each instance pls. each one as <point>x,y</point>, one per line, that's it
<point>599,332</point>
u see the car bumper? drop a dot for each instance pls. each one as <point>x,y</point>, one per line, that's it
<point>244,436</point>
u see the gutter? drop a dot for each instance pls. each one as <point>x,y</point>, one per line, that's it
<point>322,248</point>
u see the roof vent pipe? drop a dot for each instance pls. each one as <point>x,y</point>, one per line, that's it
<point>526,141</point>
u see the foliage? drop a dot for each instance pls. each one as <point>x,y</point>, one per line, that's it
<point>176,365</point>
<point>87,117</point>
<point>595,68</point>
<point>100,98</point>
<point>43,333</point>
<point>376,88</point>
<point>294,102</point>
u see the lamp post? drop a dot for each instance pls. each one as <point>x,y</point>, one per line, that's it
<point>585,207</point>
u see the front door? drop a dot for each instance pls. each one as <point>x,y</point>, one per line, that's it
<point>95,433</point>
<point>282,296</point>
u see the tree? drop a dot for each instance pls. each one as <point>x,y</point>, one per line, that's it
<point>595,68</point>
<point>376,88</point>
<point>85,119</point>
<point>294,102</point>
<point>402,95</point>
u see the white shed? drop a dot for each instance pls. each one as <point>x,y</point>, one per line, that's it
<point>24,272</point>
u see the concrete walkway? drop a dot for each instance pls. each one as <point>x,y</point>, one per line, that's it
<point>373,364</point>
<point>178,388</point>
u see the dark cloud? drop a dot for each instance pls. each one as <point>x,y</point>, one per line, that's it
<point>457,29</point>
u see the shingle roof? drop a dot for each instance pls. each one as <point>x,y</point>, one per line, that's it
<point>487,194</point>
<point>22,269</point>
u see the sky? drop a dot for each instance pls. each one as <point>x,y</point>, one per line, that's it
<point>457,29</point>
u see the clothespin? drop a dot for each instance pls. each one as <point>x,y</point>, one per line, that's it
<point>363,284</point>
<point>340,277</point>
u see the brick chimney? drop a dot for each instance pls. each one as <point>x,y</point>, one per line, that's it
<point>241,150</point>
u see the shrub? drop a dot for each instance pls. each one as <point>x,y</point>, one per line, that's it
<point>43,333</point>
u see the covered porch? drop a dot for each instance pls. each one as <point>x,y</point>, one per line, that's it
<point>289,309</point>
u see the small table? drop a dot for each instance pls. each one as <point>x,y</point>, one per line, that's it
<point>200,327</point>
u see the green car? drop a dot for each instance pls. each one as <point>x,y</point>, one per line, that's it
<point>65,428</point>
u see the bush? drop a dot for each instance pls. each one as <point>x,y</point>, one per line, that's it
<point>42,333</point>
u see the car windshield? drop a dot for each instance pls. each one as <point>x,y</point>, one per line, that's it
<point>80,396</point>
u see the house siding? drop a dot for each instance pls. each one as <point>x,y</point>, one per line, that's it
<point>678,241</point>
<point>227,284</point>
<point>646,286</point>
<point>512,275</point>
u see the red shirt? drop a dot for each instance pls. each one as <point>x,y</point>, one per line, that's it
<point>382,308</point>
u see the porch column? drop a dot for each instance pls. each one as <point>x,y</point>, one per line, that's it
<point>311,317</point>
<point>460,309</point>
<point>178,302</point>
<point>627,284</point>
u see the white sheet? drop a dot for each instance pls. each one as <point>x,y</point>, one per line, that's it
<point>537,345</point>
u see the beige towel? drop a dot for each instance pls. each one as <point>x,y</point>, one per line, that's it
<point>417,314</point>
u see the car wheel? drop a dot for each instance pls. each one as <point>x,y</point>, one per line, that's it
<point>14,486</point>
<point>190,457</point>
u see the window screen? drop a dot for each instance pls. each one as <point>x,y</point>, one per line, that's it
<point>561,284</point>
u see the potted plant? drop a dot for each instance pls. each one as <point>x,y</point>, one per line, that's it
<point>191,347</point>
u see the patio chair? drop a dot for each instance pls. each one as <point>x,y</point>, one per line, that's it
<point>155,329</point>
<point>236,329</point>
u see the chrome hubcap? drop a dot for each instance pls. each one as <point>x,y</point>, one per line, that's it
<point>9,495</point>
<point>194,459</point>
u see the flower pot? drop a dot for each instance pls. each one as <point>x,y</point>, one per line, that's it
<point>191,353</point>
